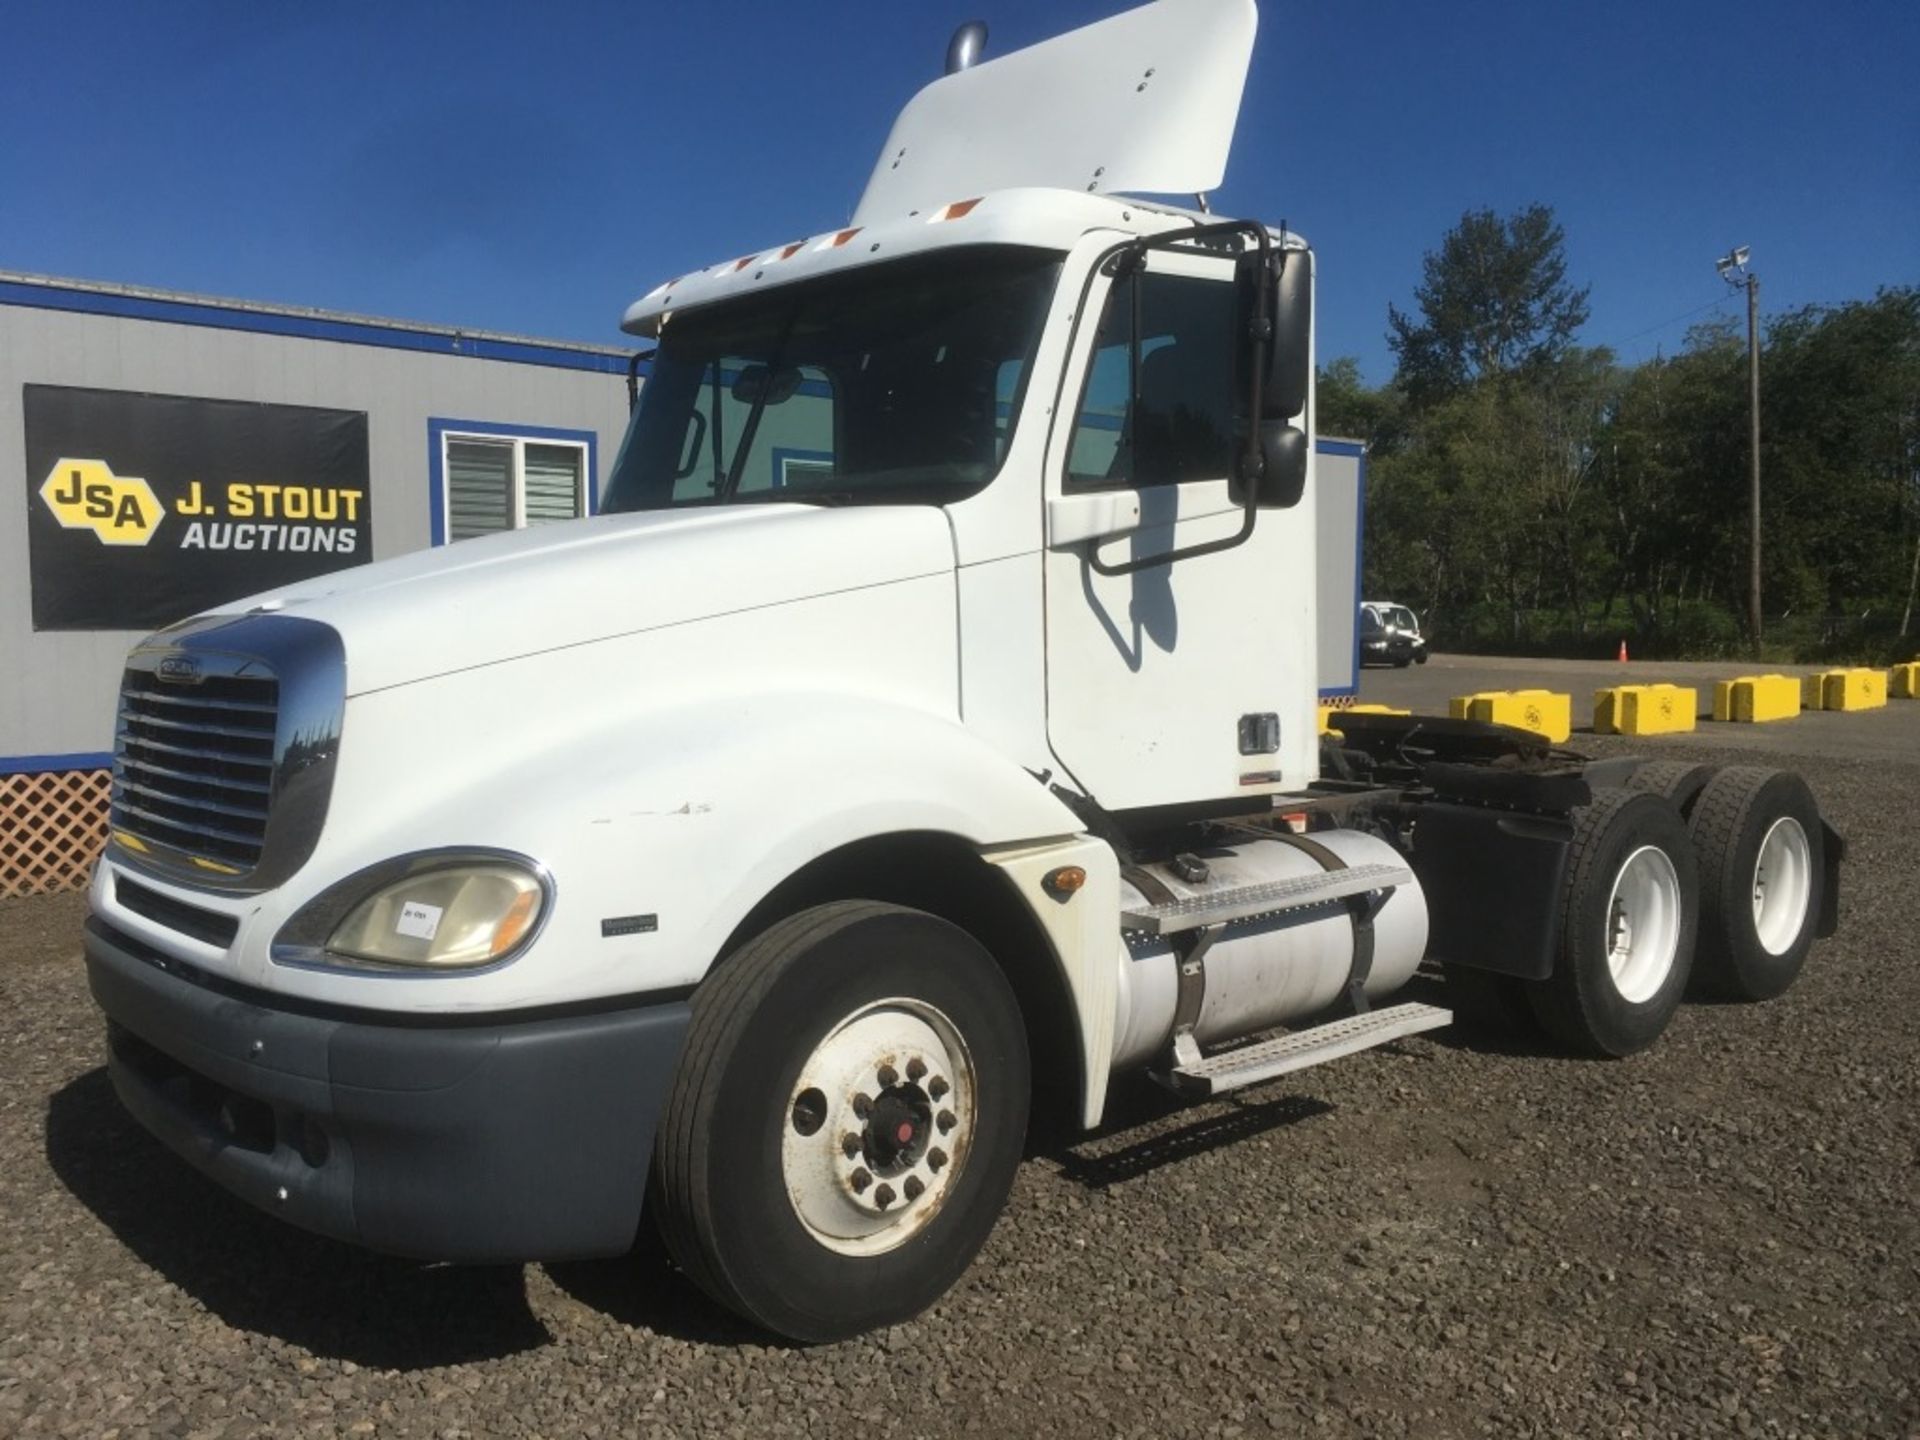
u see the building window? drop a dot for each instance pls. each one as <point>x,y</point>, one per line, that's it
<point>490,478</point>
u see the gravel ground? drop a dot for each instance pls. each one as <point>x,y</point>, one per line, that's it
<point>1457,1235</point>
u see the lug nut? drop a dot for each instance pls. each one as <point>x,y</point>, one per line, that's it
<point>850,1144</point>
<point>916,1067</point>
<point>883,1197</point>
<point>945,1121</point>
<point>888,1077</point>
<point>860,1179</point>
<point>913,1187</point>
<point>936,1087</point>
<point>862,1103</point>
<point>936,1158</point>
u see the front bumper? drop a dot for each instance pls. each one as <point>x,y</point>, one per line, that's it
<point>483,1138</point>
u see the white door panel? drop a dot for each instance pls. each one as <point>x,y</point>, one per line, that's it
<point>1149,673</point>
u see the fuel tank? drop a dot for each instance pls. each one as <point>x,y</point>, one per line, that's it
<point>1269,969</point>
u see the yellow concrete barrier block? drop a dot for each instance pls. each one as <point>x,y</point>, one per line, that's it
<point>1645,709</point>
<point>1607,707</point>
<point>1544,712</point>
<point>1854,690</point>
<point>1756,699</point>
<point>1905,681</point>
<point>1813,689</point>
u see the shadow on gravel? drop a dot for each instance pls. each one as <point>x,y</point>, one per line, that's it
<point>1490,1015</point>
<point>644,1291</point>
<point>1099,1161</point>
<point>261,1275</point>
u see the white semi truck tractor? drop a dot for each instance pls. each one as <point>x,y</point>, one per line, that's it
<point>922,734</point>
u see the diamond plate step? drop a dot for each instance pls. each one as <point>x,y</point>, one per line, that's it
<point>1264,899</point>
<point>1251,1064</point>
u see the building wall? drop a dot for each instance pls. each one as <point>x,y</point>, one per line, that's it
<point>61,697</point>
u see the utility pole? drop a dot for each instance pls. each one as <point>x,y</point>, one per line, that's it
<point>1733,269</point>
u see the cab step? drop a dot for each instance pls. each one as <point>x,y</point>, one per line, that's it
<point>1242,902</point>
<point>1249,1065</point>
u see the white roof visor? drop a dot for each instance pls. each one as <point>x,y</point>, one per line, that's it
<point>1143,103</point>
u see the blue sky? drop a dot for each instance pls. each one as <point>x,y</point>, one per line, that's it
<point>533,168</point>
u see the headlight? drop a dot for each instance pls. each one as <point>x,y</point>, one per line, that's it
<point>425,912</point>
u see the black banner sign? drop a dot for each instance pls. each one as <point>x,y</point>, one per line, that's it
<point>144,509</point>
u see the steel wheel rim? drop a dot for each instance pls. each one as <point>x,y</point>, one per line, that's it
<point>878,1125</point>
<point>1643,924</point>
<point>1782,885</point>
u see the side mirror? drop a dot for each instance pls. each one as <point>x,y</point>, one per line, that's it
<point>1282,478</point>
<point>1290,357</point>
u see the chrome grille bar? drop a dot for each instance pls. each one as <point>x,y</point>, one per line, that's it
<point>194,766</point>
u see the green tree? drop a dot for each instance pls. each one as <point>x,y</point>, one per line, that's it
<point>1493,300</point>
<point>1346,405</point>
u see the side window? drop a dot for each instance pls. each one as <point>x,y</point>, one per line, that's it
<point>1160,400</point>
<point>499,480</point>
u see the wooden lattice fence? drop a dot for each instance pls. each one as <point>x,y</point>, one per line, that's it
<point>52,827</point>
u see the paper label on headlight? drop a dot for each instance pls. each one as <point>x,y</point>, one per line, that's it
<point>420,921</point>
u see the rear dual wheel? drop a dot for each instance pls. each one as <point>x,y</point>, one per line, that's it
<point>846,1122</point>
<point>1629,916</point>
<point>1763,881</point>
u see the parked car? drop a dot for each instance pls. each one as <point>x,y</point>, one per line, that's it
<point>1390,635</point>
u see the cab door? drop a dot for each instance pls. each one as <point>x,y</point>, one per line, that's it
<point>1191,680</point>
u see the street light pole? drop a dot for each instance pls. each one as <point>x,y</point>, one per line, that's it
<point>1733,269</point>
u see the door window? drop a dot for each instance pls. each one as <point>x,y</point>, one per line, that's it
<point>1159,405</point>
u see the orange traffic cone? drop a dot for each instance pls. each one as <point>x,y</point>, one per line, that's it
<point>1623,651</point>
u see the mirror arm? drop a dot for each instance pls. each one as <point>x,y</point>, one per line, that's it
<point>1252,460</point>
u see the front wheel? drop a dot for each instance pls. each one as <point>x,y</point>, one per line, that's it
<point>846,1122</point>
<point>1629,915</point>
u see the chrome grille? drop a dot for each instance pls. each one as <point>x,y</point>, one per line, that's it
<point>194,765</point>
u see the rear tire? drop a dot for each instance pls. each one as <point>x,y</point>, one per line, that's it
<point>846,1121</point>
<point>1762,871</point>
<point>1678,782</point>
<point>1628,918</point>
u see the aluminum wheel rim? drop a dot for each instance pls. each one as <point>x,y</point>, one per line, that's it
<point>877,1126</point>
<point>1782,885</point>
<point>1643,924</point>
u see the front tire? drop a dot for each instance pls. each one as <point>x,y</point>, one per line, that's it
<point>1762,869</point>
<point>1628,918</point>
<point>846,1121</point>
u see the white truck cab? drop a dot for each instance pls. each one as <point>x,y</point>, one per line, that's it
<point>922,734</point>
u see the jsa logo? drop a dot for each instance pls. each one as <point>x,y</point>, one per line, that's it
<point>87,495</point>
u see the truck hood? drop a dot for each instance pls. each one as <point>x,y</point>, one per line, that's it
<point>478,602</point>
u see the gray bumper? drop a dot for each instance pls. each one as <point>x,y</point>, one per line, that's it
<point>502,1140</point>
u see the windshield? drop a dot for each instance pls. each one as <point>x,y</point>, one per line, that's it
<point>894,382</point>
<point>1402,618</point>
